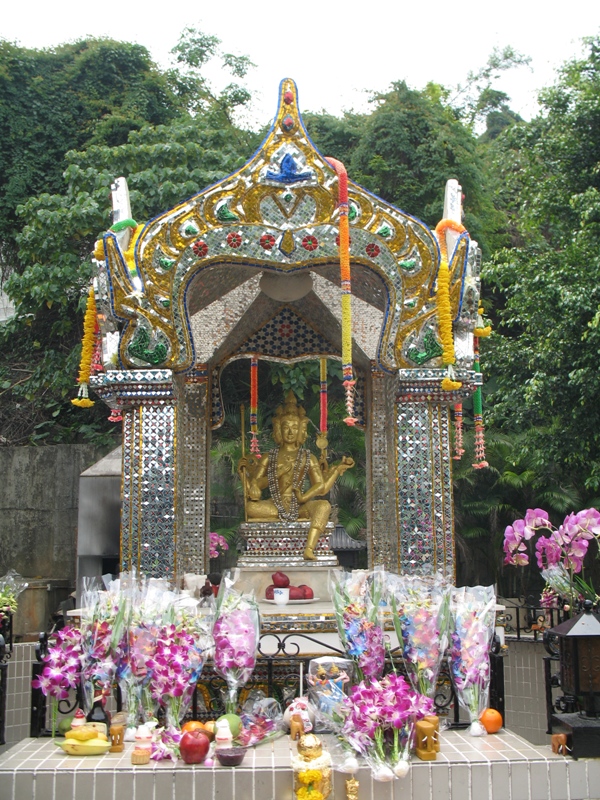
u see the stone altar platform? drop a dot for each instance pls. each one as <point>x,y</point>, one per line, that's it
<point>273,544</point>
<point>499,767</point>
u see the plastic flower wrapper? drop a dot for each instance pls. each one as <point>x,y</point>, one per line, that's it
<point>379,723</point>
<point>235,633</point>
<point>357,598</point>
<point>421,614</point>
<point>11,586</point>
<point>262,720</point>
<point>179,655</point>
<point>61,672</point>
<point>329,678</point>
<point>473,611</point>
<point>98,633</point>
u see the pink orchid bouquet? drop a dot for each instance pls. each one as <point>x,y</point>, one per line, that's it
<point>174,670</point>
<point>560,552</point>
<point>61,673</point>
<point>216,543</point>
<point>421,615</point>
<point>357,598</point>
<point>100,634</point>
<point>379,724</point>
<point>473,613</point>
<point>235,633</point>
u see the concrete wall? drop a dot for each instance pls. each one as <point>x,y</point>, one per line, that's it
<point>39,491</point>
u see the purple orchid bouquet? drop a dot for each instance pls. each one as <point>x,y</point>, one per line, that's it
<point>61,673</point>
<point>99,635</point>
<point>379,724</point>
<point>560,552</point>
<point>174,670</point>
<point>357,598</point>
<point>235,633</point>
<point>421,615</point>
<point>473,612</point>
<point>216,543</point>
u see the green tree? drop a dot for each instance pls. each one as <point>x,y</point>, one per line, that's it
<point>94,91</point>
<point>545,293</point>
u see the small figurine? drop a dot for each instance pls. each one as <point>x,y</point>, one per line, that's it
<point>425,741</point>
<point>78,720</point>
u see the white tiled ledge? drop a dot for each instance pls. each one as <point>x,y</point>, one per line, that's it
<point>499,767</point>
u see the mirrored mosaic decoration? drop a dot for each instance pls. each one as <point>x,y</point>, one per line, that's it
<point>250,266</point>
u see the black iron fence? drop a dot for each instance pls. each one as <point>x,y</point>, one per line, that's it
<point>6,647</point>
<point>277,674</point>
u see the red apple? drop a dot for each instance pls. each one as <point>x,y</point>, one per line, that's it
<point>194,746</point>
<point>296,593</point>
<point>308,592</point>
<point>269,592</point>
<point>280,580</point>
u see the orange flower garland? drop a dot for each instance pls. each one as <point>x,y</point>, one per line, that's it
<point>344,234</point>
<point>87,351</point>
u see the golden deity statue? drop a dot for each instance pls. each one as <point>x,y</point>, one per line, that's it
<point>284,471</point>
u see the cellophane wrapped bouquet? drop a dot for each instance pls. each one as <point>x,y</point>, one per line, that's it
<point>473,613</point>
<point>179,655</point>
<point>421,614</point>
<point>357,598</point>
<point>379,723</point>
<point>102,626</point>
<point>11,586</point>
<point>236,632</point>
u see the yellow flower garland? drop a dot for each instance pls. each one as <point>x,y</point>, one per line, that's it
<point>87,351</point>
<point>443,303</point>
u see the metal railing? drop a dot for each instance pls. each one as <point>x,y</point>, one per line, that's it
<point>276,674</point>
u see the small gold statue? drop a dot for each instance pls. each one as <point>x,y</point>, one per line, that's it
<point>284,471</point>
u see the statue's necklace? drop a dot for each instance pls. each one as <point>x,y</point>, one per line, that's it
<point>300,469</point>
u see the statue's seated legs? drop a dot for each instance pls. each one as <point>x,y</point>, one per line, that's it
<point>316,511</point>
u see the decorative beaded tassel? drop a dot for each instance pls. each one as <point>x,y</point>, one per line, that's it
<point>87,351</point>
<point>254,446</point>
<point>480,461</point>
<point>458,432</point>
<point>323,396</point>
<point>443,303</point>
<point>348,374</point>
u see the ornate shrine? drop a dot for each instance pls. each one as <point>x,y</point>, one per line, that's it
<point>250,267</point>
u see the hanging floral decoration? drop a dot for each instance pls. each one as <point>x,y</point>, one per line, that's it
<point>323,396</point>
<point>254,446</point>
<point>458,432</point>
<point>480,461</point>
<point>87,351</point>
<point>443,303</point>
<point>346,285</point>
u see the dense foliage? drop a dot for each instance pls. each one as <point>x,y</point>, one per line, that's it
<point>74,118</point>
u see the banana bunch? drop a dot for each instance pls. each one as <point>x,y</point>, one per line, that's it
<point>84,741</point>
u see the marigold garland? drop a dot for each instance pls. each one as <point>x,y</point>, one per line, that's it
<point>345,277</point>
<point>482,330</point>
<point>87,351</point>
<point>443,302</point>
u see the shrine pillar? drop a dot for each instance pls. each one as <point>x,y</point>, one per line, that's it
<point>146,400</point>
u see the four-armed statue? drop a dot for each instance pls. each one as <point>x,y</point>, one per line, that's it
<point>284,471</point>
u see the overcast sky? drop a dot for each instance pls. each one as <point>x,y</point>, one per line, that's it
<point>339,52</point>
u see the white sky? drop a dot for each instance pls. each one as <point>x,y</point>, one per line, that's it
<point>336,52</point>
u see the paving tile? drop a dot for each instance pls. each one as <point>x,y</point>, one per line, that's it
<point>538,781</point>
<point>577,777</point>
<point>143,785</point>
<point>460,777</point>
<point>480,782</point>
<point>500,781</point>
<point>440,781</point>
<point>284,785</point>
<point>519,781</point>
<point>421,781</point>
<point>558,780</point>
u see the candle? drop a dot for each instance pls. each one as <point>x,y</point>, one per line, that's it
<point>301,678</point>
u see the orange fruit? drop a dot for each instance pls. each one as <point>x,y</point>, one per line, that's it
<point>192,725</point>
<point>491,720</point>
